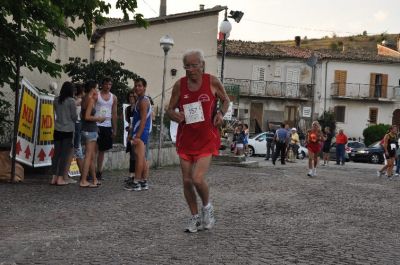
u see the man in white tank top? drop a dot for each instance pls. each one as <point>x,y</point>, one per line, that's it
<point>106,106</point>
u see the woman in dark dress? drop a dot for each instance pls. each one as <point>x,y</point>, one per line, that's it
<point>327,145</point>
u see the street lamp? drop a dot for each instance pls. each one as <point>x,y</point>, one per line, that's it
<point>225,28</point>
<point>166,43</point>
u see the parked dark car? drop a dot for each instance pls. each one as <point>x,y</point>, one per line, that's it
<point>353,147</point>
<point>332,153</point>
<point>371,154</point>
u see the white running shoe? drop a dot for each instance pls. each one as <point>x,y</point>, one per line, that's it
<point>208,219</point>
<point>378,174</point>
<point>314,172</point>
<point>310,173</point>
<point>193,224</point>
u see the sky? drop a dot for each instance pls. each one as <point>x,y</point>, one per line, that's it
<point>268,20</point>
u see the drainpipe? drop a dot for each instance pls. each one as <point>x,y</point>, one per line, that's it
<point>326,78</point>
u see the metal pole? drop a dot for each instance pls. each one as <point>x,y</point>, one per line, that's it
<point>160,140</point>
<point>312,93</point>
<point>16,105</point>
<point>223,58</point>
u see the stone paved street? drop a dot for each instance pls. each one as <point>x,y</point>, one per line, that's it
<point>266,215</point>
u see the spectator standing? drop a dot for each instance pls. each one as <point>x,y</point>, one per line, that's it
<point>341,141</point>
<point>77,154</point>
<point>327,145</point>
<point>281,140</point>
<point>198,137</point>
<point>106,106</point>
<point>313,142</point>
<point>141,129</point>
<point>89,134</point>
<point>246,139</point>
<point>294,142</point>
<point>390,145</point>
<point>131,99</point>
<point>240,140</point>
<point>64,127</point>
<point>270,142</point>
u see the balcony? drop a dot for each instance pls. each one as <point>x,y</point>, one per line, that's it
<point>362,92</point>
<point>271,89</point>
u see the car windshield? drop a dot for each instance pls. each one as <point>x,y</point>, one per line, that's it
<point>376,144</point>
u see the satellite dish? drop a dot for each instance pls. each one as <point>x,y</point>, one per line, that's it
<point>312,61</point>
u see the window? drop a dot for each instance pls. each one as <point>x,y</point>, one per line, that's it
<point>290,115</point>
<point>340,112</point>
<point>340,83</point>
<point>258,73</point>
<point>378,85</point>
<point>373,115</point>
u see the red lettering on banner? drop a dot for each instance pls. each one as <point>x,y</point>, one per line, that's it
<point>51,154</point>
<point>27,152</point>
<point>41,155</point>
<point>47,121</point>
<point>18,148</point>
<point>27,114</point>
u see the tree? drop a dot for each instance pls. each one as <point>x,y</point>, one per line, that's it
<point>41,18</point>
<point>327,119</point>
<point>375,133</point>
<point>81,71</point>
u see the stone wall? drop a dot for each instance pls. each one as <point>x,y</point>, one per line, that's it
<point>117,158</point>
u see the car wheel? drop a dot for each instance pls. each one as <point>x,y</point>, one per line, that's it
<point>374,158</point>
<point>251,150</point>
<point>302,155</point>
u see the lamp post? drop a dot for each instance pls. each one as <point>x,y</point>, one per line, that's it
<point>225,28</point>
<point>166,43</point>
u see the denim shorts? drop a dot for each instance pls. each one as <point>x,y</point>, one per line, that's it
<point>89,136</point>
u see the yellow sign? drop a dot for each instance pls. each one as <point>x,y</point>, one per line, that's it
<point>28,113</point>
<point>46,121</point>
<point>74,169</point>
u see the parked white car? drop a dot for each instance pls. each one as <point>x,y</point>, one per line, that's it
<point>258,146</point>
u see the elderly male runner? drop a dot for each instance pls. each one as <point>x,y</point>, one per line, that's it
<point>198,139</point>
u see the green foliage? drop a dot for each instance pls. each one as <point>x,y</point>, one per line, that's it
<point>327,119</point>
<point>39,19</point>
<point>364,33</point>
<point>334,46</point>
<point>5,123</point>
<point>81,71</point>
<point>375,133</point>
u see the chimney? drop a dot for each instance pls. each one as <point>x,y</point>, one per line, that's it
<point>201,7</point>
<point>297,40</point>
<point>163,8</point>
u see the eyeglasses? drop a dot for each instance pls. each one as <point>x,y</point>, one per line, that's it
<point>189,66</point>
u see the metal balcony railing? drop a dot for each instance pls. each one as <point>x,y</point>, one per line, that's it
<point>363,91</point>
<point>272,88</point>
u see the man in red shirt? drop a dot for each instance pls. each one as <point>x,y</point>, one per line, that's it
<point>195,97</point>
<point>341,141</point>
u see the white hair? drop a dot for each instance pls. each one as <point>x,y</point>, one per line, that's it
<point>199,53</point>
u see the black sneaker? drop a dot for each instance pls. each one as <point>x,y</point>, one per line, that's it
<point>128,179</point>
<point>144,185</point>
<point>99,175</point>
<point>129,185</point>
<point>133,186</point>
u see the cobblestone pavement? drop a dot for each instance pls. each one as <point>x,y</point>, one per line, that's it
<point>266,215</point>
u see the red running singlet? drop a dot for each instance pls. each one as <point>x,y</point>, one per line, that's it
<point>201,137</point>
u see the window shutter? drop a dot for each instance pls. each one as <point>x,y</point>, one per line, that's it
<point>258,73</point>
<point>373,115</point>
<point>340,113</point>
<point>372,85</point>
<point>384,85</point>
<point>340,80</point>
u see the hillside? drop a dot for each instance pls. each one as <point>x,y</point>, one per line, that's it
<point>337,43</point>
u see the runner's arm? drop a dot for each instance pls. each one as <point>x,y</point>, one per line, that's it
<point>173,104</point>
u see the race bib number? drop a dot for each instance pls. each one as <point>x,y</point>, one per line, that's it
<point>193,112</point>
<point>393,146</point>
